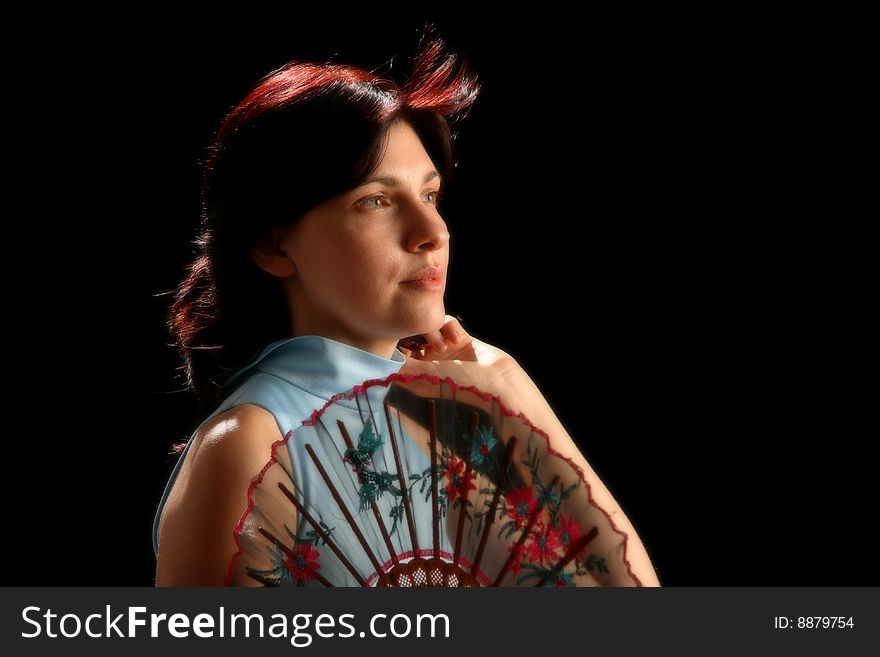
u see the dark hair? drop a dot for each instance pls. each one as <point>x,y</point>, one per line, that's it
<point>305,133</point>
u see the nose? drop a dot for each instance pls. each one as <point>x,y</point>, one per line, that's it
<point>426,229</point>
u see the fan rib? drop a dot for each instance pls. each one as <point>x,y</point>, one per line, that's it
<point>345,512</point>
<point>573,550</point>
<point>391,550</point>
<point>403,489</point>
<point>475,418</point>
<point>533,517</point>
<point>432,419</point>
<point>502,478</point>
<point>324,535</point>
<point>265,581</point>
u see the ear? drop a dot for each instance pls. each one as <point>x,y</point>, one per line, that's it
<point>268,255</point>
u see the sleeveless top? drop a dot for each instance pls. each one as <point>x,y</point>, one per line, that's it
<point>292,378</point>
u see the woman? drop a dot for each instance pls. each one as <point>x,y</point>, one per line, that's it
<point>321,249</point>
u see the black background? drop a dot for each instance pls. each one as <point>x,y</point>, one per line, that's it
<point>618,227</point>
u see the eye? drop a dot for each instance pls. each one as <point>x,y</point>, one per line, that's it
<point>437,195</point>
<point>373,203</point>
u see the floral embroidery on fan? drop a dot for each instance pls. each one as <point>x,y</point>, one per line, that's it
<point>460,483</point>
<point>551,533</point>
<point>522,504</point>
<point>532,509</point>
<point>302,562</point>
<point>482,447</point>
<point>295,565</point>
<point>373,484</point>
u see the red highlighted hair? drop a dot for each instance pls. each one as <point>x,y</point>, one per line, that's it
<point>304,134</point>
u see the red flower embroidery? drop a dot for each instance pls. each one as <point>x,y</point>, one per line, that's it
<point>569,530</point>
<point>560,581</point>
<point>543,545</point>
<point>457,485</point>
<point>521,504</point>
<point>301,563</point>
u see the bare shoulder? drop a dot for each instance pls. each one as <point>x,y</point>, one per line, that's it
<point>210,494</point>
<point>240,432</point>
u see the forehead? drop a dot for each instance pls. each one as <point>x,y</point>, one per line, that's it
<point>404,151</point>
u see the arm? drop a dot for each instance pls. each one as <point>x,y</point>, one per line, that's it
<point>210,494</point>
<point>452,352</point>
<point>534,406</point>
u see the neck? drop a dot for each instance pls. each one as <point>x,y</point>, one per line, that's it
<point>383,347</point>
<point>310,320</point>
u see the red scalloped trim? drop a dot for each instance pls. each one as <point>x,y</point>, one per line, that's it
<point>409,378</point>
<point>256,481</point>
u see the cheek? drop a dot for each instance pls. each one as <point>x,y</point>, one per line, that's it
<point>358,267</point>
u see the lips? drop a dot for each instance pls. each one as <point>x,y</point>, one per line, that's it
<point>427,275</point>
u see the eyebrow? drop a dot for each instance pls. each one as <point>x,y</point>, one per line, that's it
<point>394,182</point>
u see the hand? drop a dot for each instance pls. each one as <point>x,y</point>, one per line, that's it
<point>449,342</point>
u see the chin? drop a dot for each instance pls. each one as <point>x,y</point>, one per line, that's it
<point>429,321</point>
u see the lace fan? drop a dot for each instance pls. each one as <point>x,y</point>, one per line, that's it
<point>415,480</point>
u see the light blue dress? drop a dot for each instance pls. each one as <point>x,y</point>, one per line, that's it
<point>292,378</point>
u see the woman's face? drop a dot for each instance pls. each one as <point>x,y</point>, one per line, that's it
<point>354,256</point>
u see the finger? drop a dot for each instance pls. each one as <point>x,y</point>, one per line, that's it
<point>436,341</point>
<point>453,332</point>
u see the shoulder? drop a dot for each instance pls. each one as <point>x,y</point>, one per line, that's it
<point>235,441</point>
<point>210,494</point>
<point>235,433</point>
